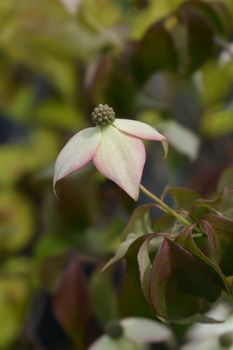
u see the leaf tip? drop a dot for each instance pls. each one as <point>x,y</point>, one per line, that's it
<point>165,147</point>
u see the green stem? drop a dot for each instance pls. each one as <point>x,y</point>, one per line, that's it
<point>164,207</point>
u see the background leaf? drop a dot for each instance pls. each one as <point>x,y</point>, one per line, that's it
<point>182,139</point>
<point>71,302</point>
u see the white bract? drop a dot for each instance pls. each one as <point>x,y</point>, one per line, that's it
<point>218,336</point>
<point>137,334</point>
<point>71,5</point>
<point>114,146</point>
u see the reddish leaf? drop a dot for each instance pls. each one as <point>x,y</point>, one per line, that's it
<point>224,232</point>
<point>145,267</point>
<point>207,243</point>
<point>209,254</point>
<point>70,302</point>
<point>180,284</point>
<point>222,205</point>
<point>183,197</point>
<point>213,244</point>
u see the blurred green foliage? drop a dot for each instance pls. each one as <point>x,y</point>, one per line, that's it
<point>165,62</point>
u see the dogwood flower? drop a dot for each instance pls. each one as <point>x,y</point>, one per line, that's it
<point>115,148</point>
<point>212,336</point>
<point>133,333</point>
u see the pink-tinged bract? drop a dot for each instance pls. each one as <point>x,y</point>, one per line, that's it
<point>121,158</point>
<point>114,146</point>
<point>78,151</point>
<point>141,130</point>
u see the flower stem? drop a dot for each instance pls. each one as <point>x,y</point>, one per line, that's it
<point>164,207</point>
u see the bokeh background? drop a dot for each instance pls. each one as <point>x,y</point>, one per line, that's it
<point>165,62</point>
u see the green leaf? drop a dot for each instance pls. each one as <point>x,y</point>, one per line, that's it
<point>153,11</point>
<point>181,138</point>
<point>37,151</point>
<point>14,298</point>
<point>123,249</point>
<point>200,34</point>
<point>215,12</point>
<point>111,76</point>
<point>224,232</point>
<point>217,123</point>
<point>109,15</point>
<point>21,103</point>
<point>103,297</point>
<point>139,222</point>
<point>131,300</point>
<point>59,72</point>
<point>146,60</point>
<point>59,115</point>
<point>222,204</point>
<point>16,222</point>
<point>139,225</point>
<point>131,295</point>
<point>163,223</point>
<point>49,246</point>
<point>226,180</point>
<point>20,266</point>
<point>183,197</point>
<point>213,94</point>
<point>50,271</point>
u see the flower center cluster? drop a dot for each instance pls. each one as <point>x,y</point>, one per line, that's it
<point>114,329</point>
<point>103,115</point>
